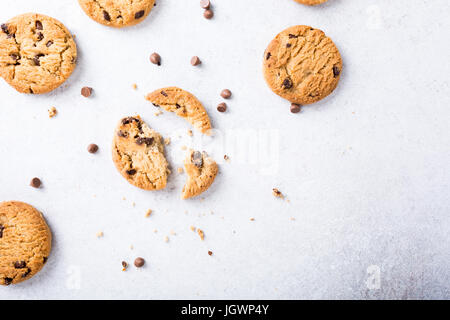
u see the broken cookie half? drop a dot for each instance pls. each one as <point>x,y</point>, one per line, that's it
<point>201,171</point>
<point>184,104</point>
<point>138,153</point>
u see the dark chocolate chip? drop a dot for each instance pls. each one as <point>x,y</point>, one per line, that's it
<point>130,120</point>
<point>86,92</point>
<point>292,36</point>
<point>336,71</point>
<point>92,148</point>
<point>197,159</point>
<point>139,14</point>
<point>210,252</point>
<point>122,134</point>
<point>20,264</point>
<point>226,94</point>
<point>147,140</point>
<point>44,260</point>
<point>131,172</point>
<point>8,281</point>
<point>40,36</point>
<point>139,262</point>
<point>177,106</point>
<point>295,108</point>
<point>155,105</point>
<point>106,15</point>
<point>205,4</point>
<point>164,94</point>
<point>14,56</point>
<point>287,83</point>
<point>36,58</point>
<point>26,273</point>
<point>208,14</point>
<point>288,45</point>
<point>5,28</point>
<point>49,43</point>
<point>222,107</point>
<point>155,58</point>
<point>1,230</point>
<point>39,25</point>
<point>35,183</point>
<point>195,61</point>
<point>268,55</point>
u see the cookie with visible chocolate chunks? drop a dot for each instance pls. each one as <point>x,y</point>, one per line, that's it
<point>201,171</point>
<point>183,104</point>
<point>311,2</point>
<point>37,53</point>
<point>25,242</point>
<point>117,13</point>
<point>138,153</point>
<point>302,65</point>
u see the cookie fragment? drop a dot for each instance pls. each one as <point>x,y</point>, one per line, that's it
<point>201,171</point>
<point>311,2</point>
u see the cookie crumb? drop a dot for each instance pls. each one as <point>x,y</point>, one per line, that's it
<point>180,170</point>
<point>148,213</point>
<point>201,234</point>
<point>167,141</point>
<point>166,239</point>
<point>158,113</point>
<point>173,233</point>
<point>124,266</point>
<point>226,158</point>
<point>99,234</point>
<point>183,148</point>
<point>192,228</point>
<point>190,133</point>
<point>292,218</point>
<point>252,219</point>
<point>131,247</point>
<point>52,112</point>
<point>210,252</point>
<point>277,193</point>
<point>134,86</point>
<point>155,230</point>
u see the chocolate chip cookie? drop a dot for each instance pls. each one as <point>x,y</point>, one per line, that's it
<point>311,2</point>
<point>117,13</point>
<point>37,53</point>
<point>25,242</point>
<point>302,65</point>
<point>201,171</point>
<point>184,104</point>
<point>138,153</point>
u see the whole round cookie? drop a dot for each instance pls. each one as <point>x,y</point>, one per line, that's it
<point>25,242</point>
<point>302,65</point>
<point>311,2</point>
<point>117,13</point>
<point>37,53</point>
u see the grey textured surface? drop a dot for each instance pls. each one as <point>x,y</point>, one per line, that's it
<point>366,171</point>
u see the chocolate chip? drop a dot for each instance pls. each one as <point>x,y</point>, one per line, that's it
<point>49,43</point>
<point>195,61</point>
<point>295,108</point>
<point>26,273</point>
<point>40,36</point>
<point>106,15</point>
<point>197,159</point>
<point>287,83</point>
<point>208,14</point>
<point>139,262</point>
<point>155,58</point>
<point>20,264</point>
<point>124,265</point>
<point>268,55</point>
<point>36,58</point>
<point>5,28</point>
<point>1,230</point>
<point>288,45</point>
<point>86,92</point>
<point>139,14</point>
<point>44,260</point>
<point>14,56</point>
<point>222,107</point>
<point>92,148</point>
<point>205,4</point>
<point>291,36</point>
<point>155,105</point>
<point>210,252</point>
<point>35,183</point>
<point>39,25</point>
<point>130,120</point>
<point>164,94</point>
<point>177,106</point>
<point>8,281</point>
<point>147,140</point>
<point>131,172</point>
<point>122,134</point>
<point>226,94</point>
<point>336,71</point>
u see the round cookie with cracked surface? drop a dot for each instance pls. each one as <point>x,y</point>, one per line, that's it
<point>311,2</point>
<point>302,65</point>
<point>138,153</point>
<point>25,242</point>
<point>201,170</point>
<point>37,53</point>
<point>117,13</point>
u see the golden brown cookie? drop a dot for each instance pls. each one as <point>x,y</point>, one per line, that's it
<point>302,65</point>
<point>25,242</point>
<point>311,2</point>
<point>37,53</point>
<point>117,13</point>
<point>184,104</point>
<point>138,153</point>
<point>201,171</point>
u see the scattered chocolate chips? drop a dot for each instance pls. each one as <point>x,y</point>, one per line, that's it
<point>8,281</point>
<point>222,107</point>
<point>336,71</point>
<point>36,58</point>
<point>122,134</point>
<point>205,4</point>
<point>226,94</point>
<point>131,172</point>
<point>139,262</point>
<point>106,15</point>
<point>295,108</point>
<point>197,159</point>
<point>147,140</point>
<point>195,61</point>
<point>86,92</point>
<point>268,55</point>
<point>1,230</point>
<point>49,43</point>
<point>164,94</point>
<point>155,58</point>
<point>287,83</point>
<point>92,148</point>
<point>38,25</point>
<point>139,14</point>
<point>35,183</point>
<point>208,14</point>
<point>26,273</point>
<point>20,264</point>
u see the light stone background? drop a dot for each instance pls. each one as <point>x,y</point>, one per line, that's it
<point>366,171</point>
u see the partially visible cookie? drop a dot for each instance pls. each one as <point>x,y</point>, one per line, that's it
<point>25,242</point>
<point>138,153</point>
<point>311,2</point>
<point>201,171</point>
<point>117,13</point>
<point>302,65</point>
<point>184,104</point>
<point>37,53</point>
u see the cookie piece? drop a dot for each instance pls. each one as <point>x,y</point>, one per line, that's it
<point>302,65</point>
<point>37,53</point>
<point>25,242</point>
<point>138,153</point>
<point>117,13</point>
<point>311,2</point>
<point>201,171</point>
<point>184,104</point>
